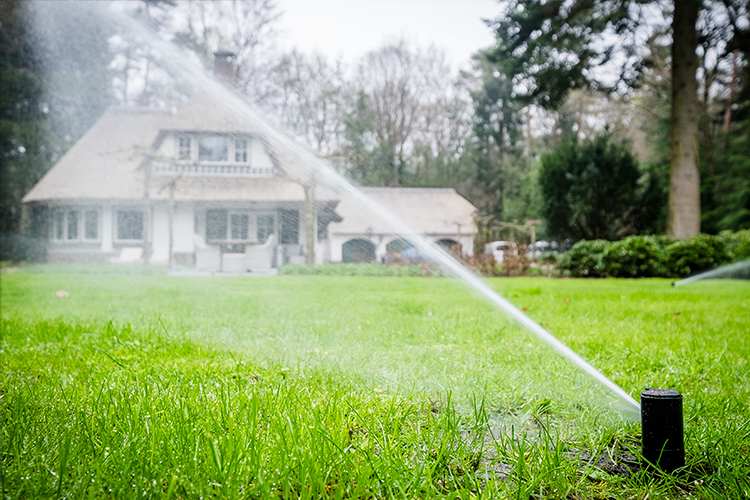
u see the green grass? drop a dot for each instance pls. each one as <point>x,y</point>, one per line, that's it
<point>328,386</point>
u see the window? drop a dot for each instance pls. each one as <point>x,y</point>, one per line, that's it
<point>72,220</point>
<point>58,222</point>
<point>289,227</point>
<point>91,225</point>
<point>129,224</point>
<point>74,225</point>
<point>183,149</point>
<point>221,224</point>
<point>216,224</point>
<point>265,227</point>
<point>240,150</point>
<point>239,224</point>
<point>213,148</point>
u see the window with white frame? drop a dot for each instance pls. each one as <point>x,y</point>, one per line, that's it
<point>222,224</point>
<point>213,148</point>
<point>240,150</point>
<point>91,225</point>
<point>184,150</point>
<point>239,226</point>
<point>266,227</point>
<point>75,225</point>
<point>129,225</point>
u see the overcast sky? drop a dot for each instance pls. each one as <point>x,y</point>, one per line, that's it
<point>350,28</point>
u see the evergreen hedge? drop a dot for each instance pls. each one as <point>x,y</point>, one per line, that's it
<point>655,256</point>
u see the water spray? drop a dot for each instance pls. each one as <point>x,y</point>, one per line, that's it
<point>304,163</point>
<point>661,426</point>
<point>742,267</point>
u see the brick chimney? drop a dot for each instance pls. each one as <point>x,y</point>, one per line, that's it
<point>224,66</point>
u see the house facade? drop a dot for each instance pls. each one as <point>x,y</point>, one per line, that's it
<point>175,183</point>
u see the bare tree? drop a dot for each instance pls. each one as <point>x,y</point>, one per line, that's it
<point>305,95</point>
<point>404,87</point>
<point>139,77</point>
<point>246,28</point>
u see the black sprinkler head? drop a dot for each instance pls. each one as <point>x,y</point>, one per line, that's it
<point>661,426</point>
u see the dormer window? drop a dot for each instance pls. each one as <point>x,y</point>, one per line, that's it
<point>184,151</point>
<point>213,148</point>
<point>226,154</point>
<point>240,150</point>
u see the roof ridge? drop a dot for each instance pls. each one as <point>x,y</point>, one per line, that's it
<point>139,110</point>
<point>409,189</point>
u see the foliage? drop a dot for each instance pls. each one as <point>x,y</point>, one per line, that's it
<point>592,190</point>
<point>699,253</point>
<point>726,192</point>
<point>737,243</point>
<point>551,48</point>
<point>16,248</point>
<point>584,259</point>
<point>635,257</point>
<point>24,130</point>
<point>655,256</point>
<point>554,46</point>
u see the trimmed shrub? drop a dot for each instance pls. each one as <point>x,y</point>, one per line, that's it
<point>635,257</point>
<point>738,243</point>
<point>584,259</point>
<point>655,256</point>
<point>699,253</point>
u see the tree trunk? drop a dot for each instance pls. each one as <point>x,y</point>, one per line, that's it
<point>684,217</point>
<point>311,229</point>
<point>146,213</point>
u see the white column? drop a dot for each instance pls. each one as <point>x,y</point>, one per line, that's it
<point>107,229</point>
<point>379,249</point>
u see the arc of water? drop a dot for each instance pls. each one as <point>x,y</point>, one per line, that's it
<point>281,141</point>
<point>731,268</point>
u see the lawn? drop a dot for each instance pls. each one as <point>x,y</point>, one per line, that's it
<point>314,386</point>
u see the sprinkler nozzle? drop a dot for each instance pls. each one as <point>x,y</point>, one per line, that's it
<point>661,426</point>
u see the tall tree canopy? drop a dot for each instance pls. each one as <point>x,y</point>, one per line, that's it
<point>23,126</point>
<point>550,47</point>
<point>593,190</point>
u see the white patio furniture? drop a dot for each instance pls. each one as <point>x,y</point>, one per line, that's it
<point>128,255</point>
<point>160,257</point>
<point>207,257</point>
<point>295,254</point>
<point>233,263</point>
<point>260,256</point>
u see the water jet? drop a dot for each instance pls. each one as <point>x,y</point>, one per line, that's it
<point>661,426</point>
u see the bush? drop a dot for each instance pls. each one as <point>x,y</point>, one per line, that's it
<point>655,256</point>
<point>635,257</point>
<point>699,253</point>
<point>738,244</point>
<point>19,248</point>
<point>584,259</point>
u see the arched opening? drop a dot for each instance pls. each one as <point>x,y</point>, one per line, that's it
<point>358,250</point>
<point>397,246</point>
<point>450,246</point>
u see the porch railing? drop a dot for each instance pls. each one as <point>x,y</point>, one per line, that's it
<point>221,169</point>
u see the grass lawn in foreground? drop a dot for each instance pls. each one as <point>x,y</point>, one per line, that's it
<point>150,385</point>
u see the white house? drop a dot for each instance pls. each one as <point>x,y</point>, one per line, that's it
<point>201,178</point>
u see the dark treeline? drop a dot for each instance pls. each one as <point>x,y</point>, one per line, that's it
<point>541,126</point>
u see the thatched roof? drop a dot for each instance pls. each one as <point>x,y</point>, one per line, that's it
<point>428,210</point>
<point>107,163</point>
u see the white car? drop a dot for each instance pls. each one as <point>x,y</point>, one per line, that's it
<point>542,247</point>
<point>500,248</point>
